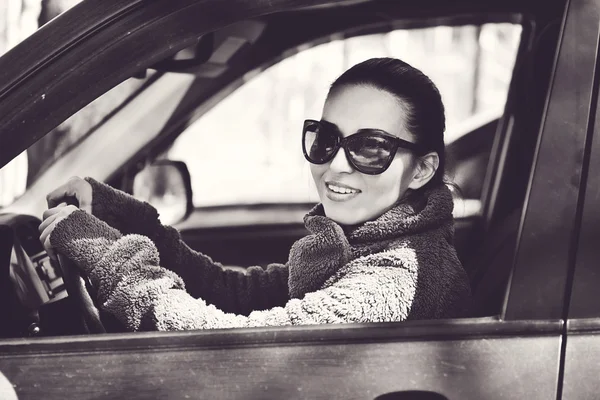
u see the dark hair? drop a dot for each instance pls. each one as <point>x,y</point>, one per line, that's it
<point>426,119</point>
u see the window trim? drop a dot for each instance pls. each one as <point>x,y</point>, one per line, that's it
<point>584,290</point>
<point>450,329</point>
<point>546,247</point>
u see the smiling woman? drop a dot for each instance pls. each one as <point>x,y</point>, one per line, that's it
<point>379,249</point>
<point>403,104</point>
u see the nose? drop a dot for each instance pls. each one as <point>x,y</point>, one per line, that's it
<point>340,162</point>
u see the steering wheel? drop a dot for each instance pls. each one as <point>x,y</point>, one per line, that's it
<point>79,288</point>
<point>24,308</point>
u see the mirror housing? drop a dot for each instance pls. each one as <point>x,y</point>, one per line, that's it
<point>166,185</point>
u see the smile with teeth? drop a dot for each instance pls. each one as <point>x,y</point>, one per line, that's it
<point>341,190</point>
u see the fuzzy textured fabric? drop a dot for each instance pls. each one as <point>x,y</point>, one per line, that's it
<point>400,266</point>
<point>229,290</point>
<point>318,256</point>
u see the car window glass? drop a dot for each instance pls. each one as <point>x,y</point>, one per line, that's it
<point>21,172</point>
<point>247,148</point>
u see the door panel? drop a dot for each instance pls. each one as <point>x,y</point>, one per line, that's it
<point>582,354</point>
<point>547,237</point>
<point>343,362</point>
<point>582,360</point>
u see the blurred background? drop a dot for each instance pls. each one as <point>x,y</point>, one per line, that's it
<point>471,65</point>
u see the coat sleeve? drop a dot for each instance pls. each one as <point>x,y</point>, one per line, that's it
<point>233,291</point>
<point>144,296</point>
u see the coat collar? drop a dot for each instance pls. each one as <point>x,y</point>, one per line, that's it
<point>431,210</point>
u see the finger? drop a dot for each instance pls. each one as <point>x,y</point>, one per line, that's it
<point>68,209</point>
<point>60,212</point>
<point>84,197</point>
<point>53,220</point>
<point>83,193</point>
<point>45,239</point>
<point>60,194</point>
<point>47,222</point>
<point>49,249</point>
<point>54,210</point>
<point>75,187</point>
<point>46,233</point>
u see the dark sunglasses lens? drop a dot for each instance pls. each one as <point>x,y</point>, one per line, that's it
<point>370,154</point>
<point>319,143</point>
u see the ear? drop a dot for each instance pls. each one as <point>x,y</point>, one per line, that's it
<point>425,169</point>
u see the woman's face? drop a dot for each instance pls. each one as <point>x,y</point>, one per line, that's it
<point>352,108</point>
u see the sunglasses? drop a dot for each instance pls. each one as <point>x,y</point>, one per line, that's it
<point>369,151</point>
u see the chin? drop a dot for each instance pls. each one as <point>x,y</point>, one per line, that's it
<point>343,217</point>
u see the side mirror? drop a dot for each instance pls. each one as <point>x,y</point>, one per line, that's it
<point>167,186</point>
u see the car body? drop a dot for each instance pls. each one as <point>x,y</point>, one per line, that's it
<point>531,245</point>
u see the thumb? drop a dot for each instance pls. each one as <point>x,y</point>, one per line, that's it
<point>85,204</point>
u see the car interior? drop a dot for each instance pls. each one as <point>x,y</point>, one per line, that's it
<point>503,148</point>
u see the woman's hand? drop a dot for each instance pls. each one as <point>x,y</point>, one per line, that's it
<point>76,188</point>
<point>51,218</point>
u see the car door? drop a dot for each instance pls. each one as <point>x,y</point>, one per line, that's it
<point>512,354</point>
<point>582,343</point>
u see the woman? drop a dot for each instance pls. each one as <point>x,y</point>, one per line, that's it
<point>380,243</point>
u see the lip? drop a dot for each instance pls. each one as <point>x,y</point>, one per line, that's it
<point>339,197</point>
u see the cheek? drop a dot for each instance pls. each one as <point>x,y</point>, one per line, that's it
<point>386,189</point>
<point>317,171</point>
<point>392,184</point>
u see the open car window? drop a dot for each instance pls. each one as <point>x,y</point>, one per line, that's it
<point>258,125</point>
<point>20,173</point>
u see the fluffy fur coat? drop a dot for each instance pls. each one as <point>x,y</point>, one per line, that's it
<point>398,267</point>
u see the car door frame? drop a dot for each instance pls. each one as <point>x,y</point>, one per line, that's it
<point>455,353</point>
<point>582,340</point>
